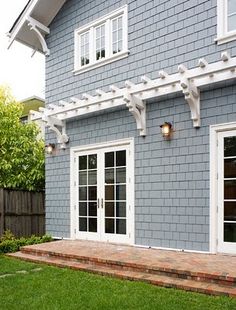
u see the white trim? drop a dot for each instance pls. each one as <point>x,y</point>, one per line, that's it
<point>74,151</point>
<point>214,130</point>
<point>32,98</point>
<point>102,62</point>
<point>101,20</point>
<point>110,57</point>
<point>223,35</point>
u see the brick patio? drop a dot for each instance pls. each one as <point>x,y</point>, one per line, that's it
<point>205,273</point>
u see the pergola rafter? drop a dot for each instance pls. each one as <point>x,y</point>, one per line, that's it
<point>134,96</point>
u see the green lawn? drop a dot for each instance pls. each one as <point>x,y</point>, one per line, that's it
<point>45,287</point>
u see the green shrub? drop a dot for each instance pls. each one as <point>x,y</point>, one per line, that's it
<point>13,245</point>
<point>8,235</point>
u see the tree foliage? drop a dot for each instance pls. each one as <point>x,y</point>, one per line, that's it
<point>21,153</point>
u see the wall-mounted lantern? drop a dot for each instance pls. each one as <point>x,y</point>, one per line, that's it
<point>166,129</point>
<point>49,148</point>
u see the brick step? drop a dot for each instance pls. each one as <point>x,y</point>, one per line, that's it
<point>155,279</point>
<point>131,266</point>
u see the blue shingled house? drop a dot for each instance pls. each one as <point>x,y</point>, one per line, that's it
<point>140,119</point>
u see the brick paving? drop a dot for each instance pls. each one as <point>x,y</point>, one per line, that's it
<point>205,273</point>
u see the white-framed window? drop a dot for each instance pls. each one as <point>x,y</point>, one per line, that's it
<point>102,41</point>
<point>226,21</point>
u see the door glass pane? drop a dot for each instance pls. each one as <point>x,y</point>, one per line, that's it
<point>121,209</point>
<point>230,232</point>
<point>230,211</point>
<point>82,162</point>
<point>92,209</point>
<point>92,161</point>
<point>92,177</point>
<point>83,208</point>
<point>115,194</point>
<point>230,168</point>
<point>121,175</point>
<point>92,225</point>
<point>83,193</point>
<point>230,189</point>
<point>109,226</point>
<point>121,158</point>
<point>109,209</point>
<point>87,197</point>
<point>109,176</point>
<point>83,178</point>
<point>109,159</point>
<point>121,226</point>
<point>230,146</point>
<point>120,192</point>
<point>109,192</point>
<point>83,223</point>
<point>92,193</point>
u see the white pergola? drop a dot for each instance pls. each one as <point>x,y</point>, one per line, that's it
<point>134,96</point>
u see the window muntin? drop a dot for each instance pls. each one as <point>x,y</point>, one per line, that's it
<point>102,41</point>
<point>117,35</point>
<point>84,49</point>
<point>231,15</point>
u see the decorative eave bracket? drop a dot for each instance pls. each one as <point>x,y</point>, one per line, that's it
<point>191,95</point>
<point>56,125</point>
<point>138,109</point>
<point>40,30</point>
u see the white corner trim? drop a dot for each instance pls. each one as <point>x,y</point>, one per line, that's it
<point>214,130</point>
<point>102,62</point>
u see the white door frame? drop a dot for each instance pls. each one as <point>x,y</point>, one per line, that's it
<point>214,159</point>
<point>74,191</point>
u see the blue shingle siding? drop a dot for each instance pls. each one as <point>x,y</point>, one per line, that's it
<point>171,177</point>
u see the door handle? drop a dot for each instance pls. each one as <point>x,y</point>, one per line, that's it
<point>102,203</point>
<point>98,203</point>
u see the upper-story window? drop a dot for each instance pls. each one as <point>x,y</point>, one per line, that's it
<point>101,42</point>
<point>226,14</point>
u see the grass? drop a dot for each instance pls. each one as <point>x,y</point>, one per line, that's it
<point>55,288</point>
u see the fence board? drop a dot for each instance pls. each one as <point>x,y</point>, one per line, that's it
<point>22,212</point>
<point>1,211</point>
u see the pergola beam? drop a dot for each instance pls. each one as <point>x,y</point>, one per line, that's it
<point>134,96</point>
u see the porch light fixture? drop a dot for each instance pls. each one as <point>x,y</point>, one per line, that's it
<point>166,129</point>
<point>49,148</point>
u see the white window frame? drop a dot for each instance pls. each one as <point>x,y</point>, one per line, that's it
<point>110,145</point>
<point>214,159</point>
<point>107,19</point>
<point>223,35</point>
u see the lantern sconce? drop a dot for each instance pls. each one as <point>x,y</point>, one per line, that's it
<point>166,130</point>
<point>49,148</point>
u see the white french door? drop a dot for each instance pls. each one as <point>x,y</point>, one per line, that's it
<point>104,193</point>
<point>227,191</point>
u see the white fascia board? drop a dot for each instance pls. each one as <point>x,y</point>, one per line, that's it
<point>12,35</point>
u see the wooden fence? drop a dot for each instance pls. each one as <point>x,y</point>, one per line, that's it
<point>22,212</point>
